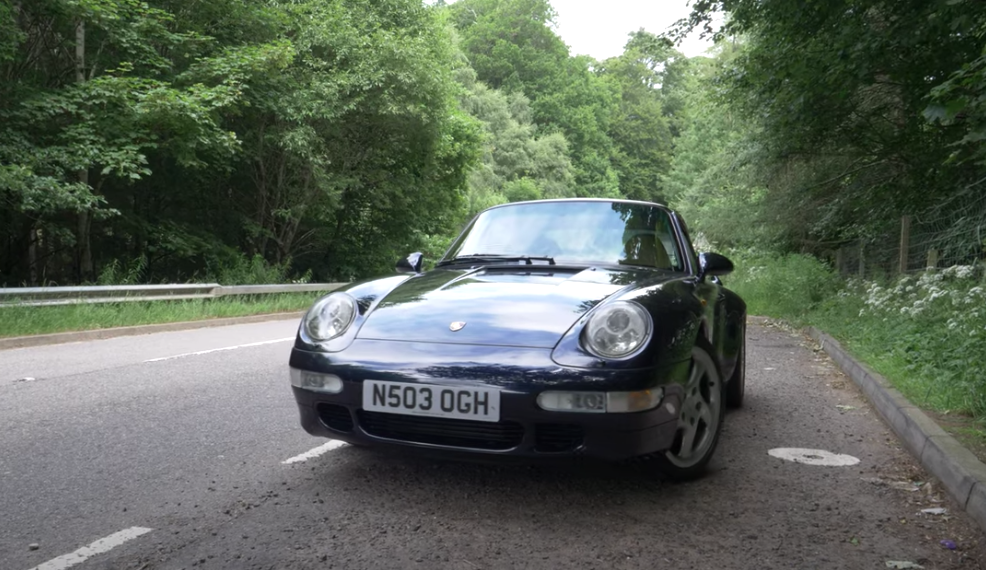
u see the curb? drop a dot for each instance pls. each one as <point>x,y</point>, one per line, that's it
<point>100,334</point>
<point>961,473</point>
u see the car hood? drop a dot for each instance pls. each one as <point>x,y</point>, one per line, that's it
<point>530,307</point>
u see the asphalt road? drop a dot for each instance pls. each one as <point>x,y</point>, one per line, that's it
<point>138,453</point>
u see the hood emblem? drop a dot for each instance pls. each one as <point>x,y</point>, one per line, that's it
<point>456,326</point>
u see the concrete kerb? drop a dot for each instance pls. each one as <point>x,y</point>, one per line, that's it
<point>99,334</point>
<point>961,473</point>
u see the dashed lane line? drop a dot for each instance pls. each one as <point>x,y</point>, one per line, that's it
<point>100,546</point>
<point>334,444</point>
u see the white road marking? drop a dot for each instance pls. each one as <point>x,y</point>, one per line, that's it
<point>100,546</point>
<point>334,444</point>
<point>813,457</point>
<point>220,349</point>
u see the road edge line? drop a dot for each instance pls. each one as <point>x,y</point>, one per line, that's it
<point>114,332</point>
<point>961,473</point>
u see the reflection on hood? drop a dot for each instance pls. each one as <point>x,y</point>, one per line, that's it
<point>505,306</point>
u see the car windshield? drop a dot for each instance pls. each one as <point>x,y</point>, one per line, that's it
<point>573,232</point>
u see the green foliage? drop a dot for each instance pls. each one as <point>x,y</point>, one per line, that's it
<point>642,128</point>
<point>434,247</point>
<point>817,123</point>
<point>359,141</point>
<point>839,97</point>
<point>521,189</point>
<point>321,136</point>
<point>924,332</point>
<point>511,47</point>
<point>510,43</point>
<point>788,286</point>
<point>516,163</point>
<point>934,324</point>
<point>240,270</point>
<point>103,124</point>
<point>113,273</point>
<point>959,104</point>
<point>714,178</point>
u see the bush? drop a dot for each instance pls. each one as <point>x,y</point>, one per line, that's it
<point>925,332</point>
<point>782,286</point>
<point>243,270</point>
<point>931,326</point>
<point>113,274</point>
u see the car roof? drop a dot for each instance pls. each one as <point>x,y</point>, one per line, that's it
<point>607,200</point>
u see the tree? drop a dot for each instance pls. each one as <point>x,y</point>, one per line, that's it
<point>82,103</point>
<point>516,163</point>
<point>713,178</point>
<point>319,135</point>
<point>511,47</point>
<point>840,94</point>
<point>641,130</point>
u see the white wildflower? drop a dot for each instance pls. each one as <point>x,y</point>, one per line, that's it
<point>964,271</point>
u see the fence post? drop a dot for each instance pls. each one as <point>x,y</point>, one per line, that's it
<point>838,261</point>
<point>905,238</point>
<point>862,261</point>
<point>932,258</point>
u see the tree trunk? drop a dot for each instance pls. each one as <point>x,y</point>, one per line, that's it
<point>84,226</point>
<point>32,254</point>
<point>85,246</point>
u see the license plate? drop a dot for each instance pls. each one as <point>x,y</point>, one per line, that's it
<point>480,404</point>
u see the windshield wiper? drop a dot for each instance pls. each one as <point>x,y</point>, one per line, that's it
<point>488,257</point>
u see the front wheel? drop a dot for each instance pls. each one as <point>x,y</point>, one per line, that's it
<point>699,420</point>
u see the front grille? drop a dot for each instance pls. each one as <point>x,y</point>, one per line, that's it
<point>335,417</point>
<point>555,438</point>
<point>442,431</point>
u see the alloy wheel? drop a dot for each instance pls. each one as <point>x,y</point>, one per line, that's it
<point>700,415</point>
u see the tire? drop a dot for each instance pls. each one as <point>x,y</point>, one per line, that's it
<point>701,417</point>
<point>736,387</point>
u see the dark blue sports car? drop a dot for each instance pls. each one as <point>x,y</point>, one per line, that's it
<point>552,328</point>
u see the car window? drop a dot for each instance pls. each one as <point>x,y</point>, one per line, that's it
<point>589,232</point>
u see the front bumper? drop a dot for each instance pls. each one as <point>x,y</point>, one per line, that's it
<point>524,429</point>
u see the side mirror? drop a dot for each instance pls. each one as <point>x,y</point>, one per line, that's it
<point>713,264</point>
<point>411,263</point>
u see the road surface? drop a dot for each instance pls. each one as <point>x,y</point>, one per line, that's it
<point>183,450</point>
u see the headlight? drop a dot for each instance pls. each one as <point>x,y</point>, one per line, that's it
<point>618,329</point>
<point>330,316</point>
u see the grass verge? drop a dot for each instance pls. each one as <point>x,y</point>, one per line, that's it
<point>924,333</point>
<point>24,321</point>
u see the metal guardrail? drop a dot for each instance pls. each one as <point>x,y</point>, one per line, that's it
<point>43,296</point>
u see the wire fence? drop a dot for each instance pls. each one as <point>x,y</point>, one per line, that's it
<point>953,233</point>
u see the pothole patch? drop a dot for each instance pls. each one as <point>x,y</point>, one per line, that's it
<point>813,457</point>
